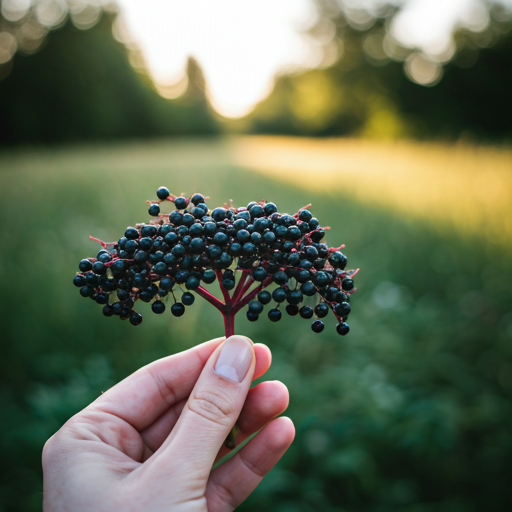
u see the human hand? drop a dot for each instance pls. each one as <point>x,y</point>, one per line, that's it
<point>149,443</point>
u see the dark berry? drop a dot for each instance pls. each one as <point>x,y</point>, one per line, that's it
<point>176,218</point>
<point>163,193</point>
<point>209,276</point>
<point>197,213</point>
<point>295,297</point>
<point>248,248</point>
<point>252,317</point>
<point>166,283</point>
<point>131,246</point>
<point>306,312</point>
<point>210,228</point>
<point>123,294</point>
<point>180,202</point>
<point>154,210</point>
<point>170,259</point>
<point>306,264</point>
<point>178,250</point>
<point>269,237</point>
<point>292,310</point>
<point>108,310</point>
<point>308,289</point>
<point>135,319</point>
<point>316,236</point>
<point>342,328</point>
<point>79,281</point>
<point>320,278</point>
<point>99,268</point>
<point>160,268</point>
<point>196,245</point>
<point>264,297</point>
<point>196,229</point>
<point>220,238</point>
<point>294,233</point>
<point>158,307</point>
<point>342,309</point>
<point>229,284</point>
<point>303,276</point>
<point>259,274</point>
<point>84,266</point>
<point>244,215</point>
<point>256,211</point>
<point>197,199</point>
<point>235,249</point>
<point>171,238</point>
<point>313,223</point>
<point>270,208</point>
<point>104,257</point>
<point>274,315</point>
<point>305,215</point>
<point>146,295</point>
<point>140,256</point>
<point>279,294</point>
<point>280,277</point>
<point>188,219</point>
<point>86,291</point>
<point>146,243</point>
<point>317,326</point>
<point>255,307</point>
<point>177,309</point>
<point>311,253</point>
<point>243,235</point>
<point>225,260</point>
<point>131,233</point>
<point>321,310</point>
<point>218,214</point>
<point>347,284</point>
<point>102,298</point>
<point>192,283</point>
<point>188,299</point>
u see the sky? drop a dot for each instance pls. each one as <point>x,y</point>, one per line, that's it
<point>242,44</point>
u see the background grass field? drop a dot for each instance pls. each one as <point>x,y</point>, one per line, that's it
<point>412,411</point>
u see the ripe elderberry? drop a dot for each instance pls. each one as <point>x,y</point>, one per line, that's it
<point>244,249</point>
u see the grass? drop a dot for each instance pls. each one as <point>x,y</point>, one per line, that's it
<point>411,411</point>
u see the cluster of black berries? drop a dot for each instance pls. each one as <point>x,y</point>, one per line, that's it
<point>245,249</point>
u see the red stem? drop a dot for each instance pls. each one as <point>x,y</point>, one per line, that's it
<point>241,303</point>
<point>225,293</point>
<point>240,286</point>
<point>229,322</point>
<point>211,299</point>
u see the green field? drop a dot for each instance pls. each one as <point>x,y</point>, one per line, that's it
<point>412,411</point>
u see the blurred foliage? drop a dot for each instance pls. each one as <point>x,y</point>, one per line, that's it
<point>368,92</point>
<point>412,411</point>
<point>82,86</point>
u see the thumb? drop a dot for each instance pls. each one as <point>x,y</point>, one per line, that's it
<point>210,413</point>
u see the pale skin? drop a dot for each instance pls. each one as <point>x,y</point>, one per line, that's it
<point>149,443</point>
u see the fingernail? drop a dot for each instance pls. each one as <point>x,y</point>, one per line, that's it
<point>235,358</point>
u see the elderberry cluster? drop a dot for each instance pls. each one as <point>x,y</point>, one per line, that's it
<point>246,249</point>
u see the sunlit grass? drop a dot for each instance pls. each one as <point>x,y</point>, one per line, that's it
<point>464,186</point>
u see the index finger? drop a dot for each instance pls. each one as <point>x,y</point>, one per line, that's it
<point>145,395</point>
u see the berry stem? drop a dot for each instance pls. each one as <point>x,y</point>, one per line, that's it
<point>245,300</point>
<point>229,321</point>
<point>211,299</point>
<point>239,287</point>
<point>225,293</point>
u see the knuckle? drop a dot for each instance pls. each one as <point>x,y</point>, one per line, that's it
<point>214,406</point>
<point>226,495</point>
<point>48,450</point>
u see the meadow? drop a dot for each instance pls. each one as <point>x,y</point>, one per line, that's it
<point>412,411</point>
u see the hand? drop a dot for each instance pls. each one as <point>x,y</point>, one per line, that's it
<point>149,443</point>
